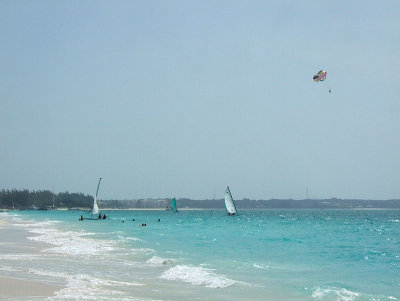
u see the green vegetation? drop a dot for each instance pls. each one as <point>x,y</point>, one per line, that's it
<point>332,203</point>
<point>41,199</point>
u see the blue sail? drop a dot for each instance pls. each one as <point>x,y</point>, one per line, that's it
<point>174,205</point>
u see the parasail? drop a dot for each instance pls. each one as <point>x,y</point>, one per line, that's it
<point>320,76</point>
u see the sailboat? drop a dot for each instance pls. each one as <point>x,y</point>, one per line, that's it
<point>52,207</point>
<point>229,204</point>
<point>174,205</point>
<point>95,209</point>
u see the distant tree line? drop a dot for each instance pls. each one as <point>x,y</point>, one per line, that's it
<point>139,204</point>
<point>256,204</point>
<point>318,204</point>
<point>25,199</point>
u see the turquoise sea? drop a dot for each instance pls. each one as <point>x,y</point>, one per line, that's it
<point>208,255</point>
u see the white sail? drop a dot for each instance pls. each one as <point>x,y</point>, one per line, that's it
<point>95,209</point>
<point>230,205</point>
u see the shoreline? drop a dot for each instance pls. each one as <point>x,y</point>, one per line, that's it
<point>20,282</point>
<point>204,209</point>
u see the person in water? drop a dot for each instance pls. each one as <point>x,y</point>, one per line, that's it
<point>99,217</point>
<point>104,216</point>
<point>81,218</point>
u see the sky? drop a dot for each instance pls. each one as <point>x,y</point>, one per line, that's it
<point>182,98</point>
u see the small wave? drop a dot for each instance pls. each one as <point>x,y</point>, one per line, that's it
<point>394,221</point>
<point>71,242</point>
<point>8,214</point>
<point>376,252</point>
<point>265,267</point>
<point>19,257</point>
<point>143,251</point>
<point>129,238</point>
<point>35,224</point>
<point>82,286</point>
<point>197,276</point>
<point>9,269</point>
<point>259,266</point>
<point>160,261</point>
<point>65,242</point>
<point>342,294</point>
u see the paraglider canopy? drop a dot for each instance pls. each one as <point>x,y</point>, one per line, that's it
<point>320,76</point>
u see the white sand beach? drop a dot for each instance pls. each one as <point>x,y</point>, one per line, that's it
<point>14,280</point>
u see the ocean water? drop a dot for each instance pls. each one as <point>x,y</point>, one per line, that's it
<point>208,255</point>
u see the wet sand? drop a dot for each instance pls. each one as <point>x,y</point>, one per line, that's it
<point>16,282</point>
<point>10,287</point>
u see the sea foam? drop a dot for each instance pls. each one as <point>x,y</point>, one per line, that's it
<point>342,294</point>
<point>72,242</point>
<point>67,242</point>
<point>87,287</point>
<point>197,276</point>
<point>155,260</point>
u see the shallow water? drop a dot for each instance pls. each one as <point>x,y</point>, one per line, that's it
<point>207,255</point>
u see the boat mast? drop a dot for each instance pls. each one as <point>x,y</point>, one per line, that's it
<point>98,186</point>
<point>53,197</point>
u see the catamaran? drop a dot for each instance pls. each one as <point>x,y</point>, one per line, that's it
<point>229,204</point>
<point>95,209</point>
<point>96,215</point>
<point>174,205</point>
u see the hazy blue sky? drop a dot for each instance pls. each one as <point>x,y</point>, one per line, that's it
<point>181,98</point>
